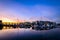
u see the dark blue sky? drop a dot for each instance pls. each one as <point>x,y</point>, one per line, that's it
<point>31,9</point>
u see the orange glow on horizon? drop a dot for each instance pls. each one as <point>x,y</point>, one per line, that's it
<point>11,20</point>
<point>7,20</point>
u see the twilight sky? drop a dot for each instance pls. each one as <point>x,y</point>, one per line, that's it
<point>30,10</point>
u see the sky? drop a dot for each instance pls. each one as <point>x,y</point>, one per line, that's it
<point>30,10</point>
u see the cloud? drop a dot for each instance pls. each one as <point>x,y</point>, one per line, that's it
<point>25,13</point>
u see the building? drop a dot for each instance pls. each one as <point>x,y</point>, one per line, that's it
<point>1,25</point>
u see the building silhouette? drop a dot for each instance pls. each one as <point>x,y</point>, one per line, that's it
<point>1,25</point>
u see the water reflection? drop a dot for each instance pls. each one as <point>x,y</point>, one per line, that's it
<point>17,33</point>
<point>6,27</point>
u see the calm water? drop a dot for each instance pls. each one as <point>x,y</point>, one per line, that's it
<point>22,33</point>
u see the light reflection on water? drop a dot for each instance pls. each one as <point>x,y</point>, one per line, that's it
<point>4,27</point>
<point>15,32</point>
<point>11,30</point>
